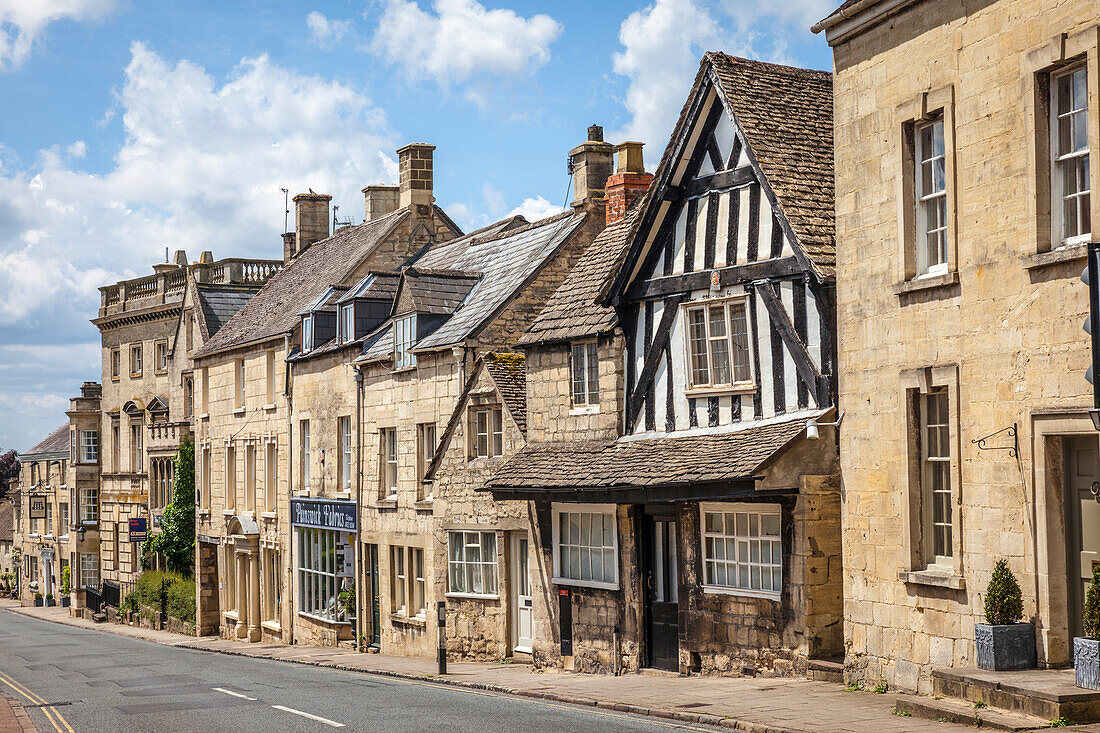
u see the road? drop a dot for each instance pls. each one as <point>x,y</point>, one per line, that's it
<point>75,680</point>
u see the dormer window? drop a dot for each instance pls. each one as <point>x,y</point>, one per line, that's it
<point>404,335</point>
<point>307,333</point>
<point>347,323</point>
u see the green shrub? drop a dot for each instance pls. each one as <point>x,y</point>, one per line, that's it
<point>1092,606</point>
<point>181,600</point>
<point>1003,602</point>
<point>66,581</point>
<point>178,593</point>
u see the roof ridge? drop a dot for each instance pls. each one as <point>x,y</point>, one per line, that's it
<point>765,64</point>
<point>527,227</point>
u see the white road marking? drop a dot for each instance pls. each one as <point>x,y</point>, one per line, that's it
<point>318,718</point>
<point>235,694</point>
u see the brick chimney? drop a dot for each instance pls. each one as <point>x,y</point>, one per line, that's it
<point>591,165</point>
<point>311,221</point>
<point>414,166</point>
<point>628,182</point>
<point>380,200</point>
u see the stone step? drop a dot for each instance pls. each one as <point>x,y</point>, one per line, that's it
<point>958,712</point>
<point>1042,693</point>
<point>826,670</point>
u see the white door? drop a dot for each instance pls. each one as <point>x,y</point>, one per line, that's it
<point>522,626</point>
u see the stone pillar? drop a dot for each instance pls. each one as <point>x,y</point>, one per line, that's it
<point>242,595</point>
<point>253,560</point>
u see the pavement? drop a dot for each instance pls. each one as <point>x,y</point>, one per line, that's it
<point>13,718</point>
<point>757,705</point>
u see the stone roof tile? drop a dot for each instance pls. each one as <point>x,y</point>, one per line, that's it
<point>510,375</point>
<point>55,442</point>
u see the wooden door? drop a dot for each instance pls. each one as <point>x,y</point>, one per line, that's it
<point>1083,526</point>
<point>659,578</point>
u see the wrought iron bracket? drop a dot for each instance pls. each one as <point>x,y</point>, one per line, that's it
<point>1011,432</point>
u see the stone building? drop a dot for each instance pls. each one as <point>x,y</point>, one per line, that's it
<point>7,530</point>
<point>83,482</point>
<point>44,532</point>
<point>688,520</point>
<point>150,327</point>
<point>963,137</point>
<point>255,446</point>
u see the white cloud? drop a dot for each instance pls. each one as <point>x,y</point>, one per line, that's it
<point>460,39</point>
<point>22,22</point>
<point>663,43</point>
<point>536,208</point>
<point>324,32</point>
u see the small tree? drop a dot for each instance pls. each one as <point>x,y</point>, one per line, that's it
<point>176,541</point>
<point>9,471</point>
<point>66,581</point>
<point>1092,606</point>
<point>1003,602</point>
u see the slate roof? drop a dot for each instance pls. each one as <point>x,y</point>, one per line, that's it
<point>219,303</point>
<point>7,519</point>
<point>510,375</point>
<point>434,291</point>
<point>273,311</point>
<point>505,258</point>
<point>376,285</point>
<point>649,463</point>
<point>55,442</point>
<point>786,114</point>
<point>574,310</point>
<point>326,301</point>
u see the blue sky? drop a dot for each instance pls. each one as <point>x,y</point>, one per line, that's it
<point>130,127</point>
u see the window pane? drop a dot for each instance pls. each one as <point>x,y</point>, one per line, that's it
<point>697,331</point>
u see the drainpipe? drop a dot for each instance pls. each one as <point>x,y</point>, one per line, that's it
<point>287,395</point>
<point>360,585</point>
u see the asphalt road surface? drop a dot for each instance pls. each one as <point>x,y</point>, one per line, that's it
<point>75,680</point>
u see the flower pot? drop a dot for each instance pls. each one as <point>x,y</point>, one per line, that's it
<point>1005,647</point>
<point>1086,663</point>
<point>50,603</point>
<point>66,601</point>
<point>38,602</point>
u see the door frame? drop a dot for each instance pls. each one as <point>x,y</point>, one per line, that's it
<point>645,514</point>
<point>373,609</point>
<point>1074,539</point>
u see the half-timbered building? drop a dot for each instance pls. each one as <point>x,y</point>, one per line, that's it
<point>707,532</point>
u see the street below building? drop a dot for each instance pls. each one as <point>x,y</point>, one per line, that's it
<point>72,679</point>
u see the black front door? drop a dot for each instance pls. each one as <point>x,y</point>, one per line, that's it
<point>662,608</point>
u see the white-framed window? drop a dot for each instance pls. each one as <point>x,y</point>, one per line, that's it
<point>161,348</point>
<point>250,477</point>
<point>89,570</point>
<point>307,333</point>
<point>89,446</point>
<point>65,519</point>
<point>271,464</point>
<point>270,378</point>
<point>488,432</point>
<point>586,373</point>
<point>389,462</point>
<point>935,470</point>
<point>1069,176</point>
<point>586,545</point>
<point>116,363</point>
<point>398,581</point>
<point>344,429</point>
<point>931,196</point>
<point>135,360</point>
<point>319,580</point>
<point>472,563</point>
<point>273,596</point>
<point>303,454</point>
<point>89,504</point>
<point>230,477</point>
<point>347,323</point>
<point>718,344</point>
<point>425,450</point>
<point>418,584</point>
<point>238,381</point>
<point>742,549</point>
<point>404,336</point>
<point>136,453</point>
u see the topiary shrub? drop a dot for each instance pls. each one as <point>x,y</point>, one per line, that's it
<point>1092,606</point>
<point>1003,602</point>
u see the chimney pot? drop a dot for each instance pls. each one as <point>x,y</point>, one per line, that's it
<point>595,133</point>
<point>206,258</point>
<point>629,182</point>
<point>415,173</point>
<point>311,220</point>
<point>591,165</point>
<point>380,200</point>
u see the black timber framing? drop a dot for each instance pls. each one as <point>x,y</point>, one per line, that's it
<point>714,182</point>
<point>654,355</point>
<point>657,287</point>
<point>741,489</point>
<point>804,365</point>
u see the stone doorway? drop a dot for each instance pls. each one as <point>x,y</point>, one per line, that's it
<point>1082,474</point>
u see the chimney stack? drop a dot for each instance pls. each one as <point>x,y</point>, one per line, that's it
<point>628,182</point>
<point>414,165</point>
<point>591,166</point>
<point>380,200</point>
<point>311,220</point>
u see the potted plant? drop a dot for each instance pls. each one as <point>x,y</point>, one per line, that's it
<point>66,586</point>
<point>1003,642</point>
<point>1086,649</point>
<point>49,600</point>
<point>37,599</point>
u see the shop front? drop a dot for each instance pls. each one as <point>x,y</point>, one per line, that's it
<point>324,563</point>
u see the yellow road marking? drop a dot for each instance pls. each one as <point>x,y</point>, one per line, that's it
<point>45,707</point>
<point>549,703</point>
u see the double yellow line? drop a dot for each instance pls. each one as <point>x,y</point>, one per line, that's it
<point>56,720</point>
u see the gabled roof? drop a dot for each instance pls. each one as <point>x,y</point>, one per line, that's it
<point>786,116</point>
<point>375,286</point>
<point>424,290</point>
<point>574,310</point>
<point>506,258</point>
<point>55,442</point>
<point>640,464</point>
<point>7,518</point>
<point>274,310</point>
<point>326,301</point>
<point>510,376</point>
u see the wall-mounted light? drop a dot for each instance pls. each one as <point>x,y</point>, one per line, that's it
<point>812,432</point>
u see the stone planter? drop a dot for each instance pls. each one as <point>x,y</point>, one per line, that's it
<point>66,601</point>
<point>1005,647</point>
<point>50,603</point>
<point>38,602</point>
<point>1086,663</point>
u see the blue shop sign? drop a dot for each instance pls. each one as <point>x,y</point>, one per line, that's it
<point>323,514</point>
